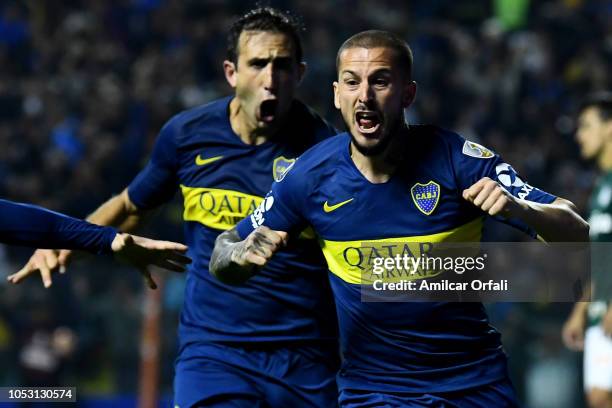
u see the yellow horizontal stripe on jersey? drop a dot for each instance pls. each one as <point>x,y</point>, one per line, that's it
<point>222,209</point>
<point>353,261</point>
<point>217,208</point>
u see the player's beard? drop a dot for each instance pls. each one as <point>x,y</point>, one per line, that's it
<point>388,134</point>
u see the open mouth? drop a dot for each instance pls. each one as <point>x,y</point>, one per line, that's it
<point>267,110</point>
<point>367,121</point>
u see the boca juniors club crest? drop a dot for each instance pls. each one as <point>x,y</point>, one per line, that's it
<point>426,196</point>
<point>280,167</point>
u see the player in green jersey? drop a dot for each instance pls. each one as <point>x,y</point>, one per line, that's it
<point>589,326</point>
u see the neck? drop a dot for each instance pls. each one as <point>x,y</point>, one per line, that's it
<point>604,161</point>
<point>245,127</point>
<point>379,168</point>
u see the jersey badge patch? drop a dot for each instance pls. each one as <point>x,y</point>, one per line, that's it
<point>426,196</point>
<point>280,167</point>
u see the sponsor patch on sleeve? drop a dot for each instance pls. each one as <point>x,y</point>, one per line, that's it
<point>257,218</point>
<point>475,150</point>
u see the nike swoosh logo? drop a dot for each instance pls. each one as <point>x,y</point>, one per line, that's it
<point>329,208</point>
<point>201,162</point>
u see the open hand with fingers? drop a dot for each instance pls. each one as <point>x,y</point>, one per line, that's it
<point>133,250</point>
<point>492,198</point>
<point>45,261</point>
<point>142,252</point>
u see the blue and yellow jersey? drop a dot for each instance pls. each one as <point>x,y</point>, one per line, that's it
<point>411,346</point>
<point>222,180</point>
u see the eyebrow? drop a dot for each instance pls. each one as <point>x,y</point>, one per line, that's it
<point>348,71</point>
<point>268,59</point>
<point>379,71</point>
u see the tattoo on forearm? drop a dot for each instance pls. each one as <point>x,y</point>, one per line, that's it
<point>224,245</point>
<point>221,264</point>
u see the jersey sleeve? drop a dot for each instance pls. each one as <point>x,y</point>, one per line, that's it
<point>282,208</point>
<point>29,225</point>
<point>158,181</point>
<point>472,162</point>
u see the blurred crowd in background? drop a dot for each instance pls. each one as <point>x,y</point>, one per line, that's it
<point>86,85</point>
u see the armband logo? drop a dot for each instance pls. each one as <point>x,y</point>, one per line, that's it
<point>508,177</point>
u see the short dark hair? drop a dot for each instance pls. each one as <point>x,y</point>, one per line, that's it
<point>380,38</point>
<point>601,100</point>
<point>265,19</point>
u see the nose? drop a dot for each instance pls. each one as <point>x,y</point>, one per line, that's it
<point>365,92</point>
<point>270,78</point>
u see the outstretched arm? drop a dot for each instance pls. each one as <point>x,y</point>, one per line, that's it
<point>234,261</point>
<point>133,250</point>
<point>30,225</point>
<point>119,211</point>
<point>23,224</point>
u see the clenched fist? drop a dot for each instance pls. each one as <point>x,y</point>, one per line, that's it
<point>492,198</point>
<point>258,247</point>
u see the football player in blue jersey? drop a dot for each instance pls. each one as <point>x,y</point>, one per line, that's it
<point>272,342</point>
<point>393,186</point>
<point>33,226</point>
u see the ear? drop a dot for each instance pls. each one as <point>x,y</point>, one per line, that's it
<point>410,90</point>
<point>231,73</point>
<point>301,71</point>
<point>607,129</point>
<point>336,96</point>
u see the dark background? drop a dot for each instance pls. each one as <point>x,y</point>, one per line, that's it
<point>86,85</point>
